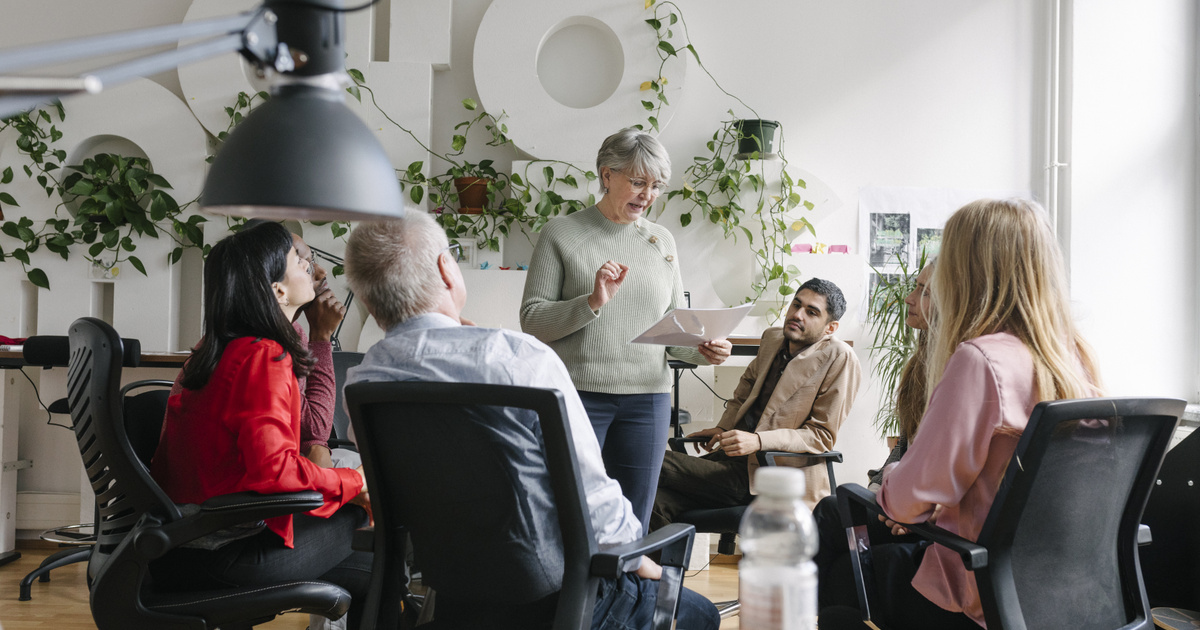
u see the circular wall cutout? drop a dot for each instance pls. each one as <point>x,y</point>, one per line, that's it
<point>517,37</point>
<point>580,62</point>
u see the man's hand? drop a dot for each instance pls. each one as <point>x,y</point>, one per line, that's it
<point>705,433</point>
<point>716,351</point>
<point>609,277</point>
<point>649,569</point>
<point>737,443</point>
<point>324,314</point>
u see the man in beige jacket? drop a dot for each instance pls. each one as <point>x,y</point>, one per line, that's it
<point>792,397</point>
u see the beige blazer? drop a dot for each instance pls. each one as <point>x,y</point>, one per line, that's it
<point>807,408</point>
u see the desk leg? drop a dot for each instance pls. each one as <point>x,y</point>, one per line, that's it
<point>676,430</point>
<point>11,384</point>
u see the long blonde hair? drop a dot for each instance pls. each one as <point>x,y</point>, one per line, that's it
<point>1001,270</point>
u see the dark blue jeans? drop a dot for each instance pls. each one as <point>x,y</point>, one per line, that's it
<point>628,604</point>
<point>632,430</point>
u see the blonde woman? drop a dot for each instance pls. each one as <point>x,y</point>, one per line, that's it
<point>1003,340</point>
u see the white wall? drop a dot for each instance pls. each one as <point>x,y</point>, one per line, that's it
<point>929,93</point>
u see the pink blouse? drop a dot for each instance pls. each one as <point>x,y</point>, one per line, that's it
<point>958,459</point>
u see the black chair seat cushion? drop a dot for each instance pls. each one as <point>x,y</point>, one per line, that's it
<point>227,606</point>
<point>714,521</point>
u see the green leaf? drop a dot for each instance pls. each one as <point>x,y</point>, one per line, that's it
<point>110,239</point>
<point>685,219</point>
<point>549,173</point>
<point>648,105</point>
<point>655,24</point>
<point>667,47</point>
<point>417,194</point>
<point>137,264</point>
<point>176,254</point>
<point>82,187</point>
<point>38,278</point>
<point>158,180</point>
<point>356,74</point>
<point>785,290</point>
<point>458,143</point>
<point>25,234</point>
<point>355,92</point>
<point>21,255</point>
<point>6,176</point>
<point>8,199</point>
<point>469,104</point>
<point>653,122</point>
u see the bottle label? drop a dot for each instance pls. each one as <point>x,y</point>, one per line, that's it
<point>778,598</point>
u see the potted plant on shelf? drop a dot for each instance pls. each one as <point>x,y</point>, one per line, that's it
<point>756,137</point>
<point>892,341</point>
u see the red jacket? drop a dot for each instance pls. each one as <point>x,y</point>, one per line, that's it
<point>241,432</point>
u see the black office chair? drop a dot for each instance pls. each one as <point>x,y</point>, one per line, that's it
<point>342,361</point>
<point>726,521</point>
<point>139,524</point>
<point>458,523</point>
<point>1059,548</point>
<point>50,351</point>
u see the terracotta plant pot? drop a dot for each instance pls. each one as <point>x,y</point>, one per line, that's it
<point>472,194</point>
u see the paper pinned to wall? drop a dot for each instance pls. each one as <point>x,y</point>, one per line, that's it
<point>693,326</point>
<point>896,224</point>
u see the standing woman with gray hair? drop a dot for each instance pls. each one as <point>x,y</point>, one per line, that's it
<point>597,279</point>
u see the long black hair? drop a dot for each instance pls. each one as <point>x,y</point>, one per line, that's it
<point>239,300</point>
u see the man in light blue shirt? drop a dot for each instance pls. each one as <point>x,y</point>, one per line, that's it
<point>410,282</point>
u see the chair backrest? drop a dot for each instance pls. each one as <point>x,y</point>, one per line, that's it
<point>144,404</point>
<point>123,487</point>
<point>342,361</point>
<point>464,467</point>
<point>1062,532</point>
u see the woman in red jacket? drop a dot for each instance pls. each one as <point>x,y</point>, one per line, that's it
<point>235,427</point>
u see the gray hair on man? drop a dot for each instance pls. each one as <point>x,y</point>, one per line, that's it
<point>636,153</point>
<point>393,266</point>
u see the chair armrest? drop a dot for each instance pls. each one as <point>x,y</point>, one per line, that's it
<point>679,444</point>
<point>767,458</point>
<point>675,540</point>
<point>973,556</point>
<point>340,443</point>
<point>225,511</point>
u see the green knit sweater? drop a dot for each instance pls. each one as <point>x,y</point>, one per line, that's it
<point>595,345</point>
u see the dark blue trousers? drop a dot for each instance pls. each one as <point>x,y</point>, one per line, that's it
<point>632,430</point>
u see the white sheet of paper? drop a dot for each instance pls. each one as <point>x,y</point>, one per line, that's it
<point>693,326</point>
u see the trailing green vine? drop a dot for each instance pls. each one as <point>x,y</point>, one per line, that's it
<point>715,184</point>
<point>111,199</point>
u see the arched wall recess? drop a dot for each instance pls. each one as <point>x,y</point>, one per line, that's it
<point>507,46</point>
<point>149,117</point>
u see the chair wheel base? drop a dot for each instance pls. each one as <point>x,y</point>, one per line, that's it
<point>728,609</point>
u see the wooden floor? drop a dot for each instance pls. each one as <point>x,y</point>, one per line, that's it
<point>62,603</point>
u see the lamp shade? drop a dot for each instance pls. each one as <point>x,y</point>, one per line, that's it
<point>303,155</point>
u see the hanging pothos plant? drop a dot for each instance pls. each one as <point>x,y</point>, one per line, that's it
<point>727,187</point>
<point>108,199</point>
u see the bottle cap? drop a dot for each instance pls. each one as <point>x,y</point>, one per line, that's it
<point>779,481</point>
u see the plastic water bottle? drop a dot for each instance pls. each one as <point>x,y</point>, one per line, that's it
<point>777,580</point>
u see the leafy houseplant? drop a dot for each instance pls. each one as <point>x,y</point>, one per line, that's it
<point>892,341</point>
<point>113,198</point>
